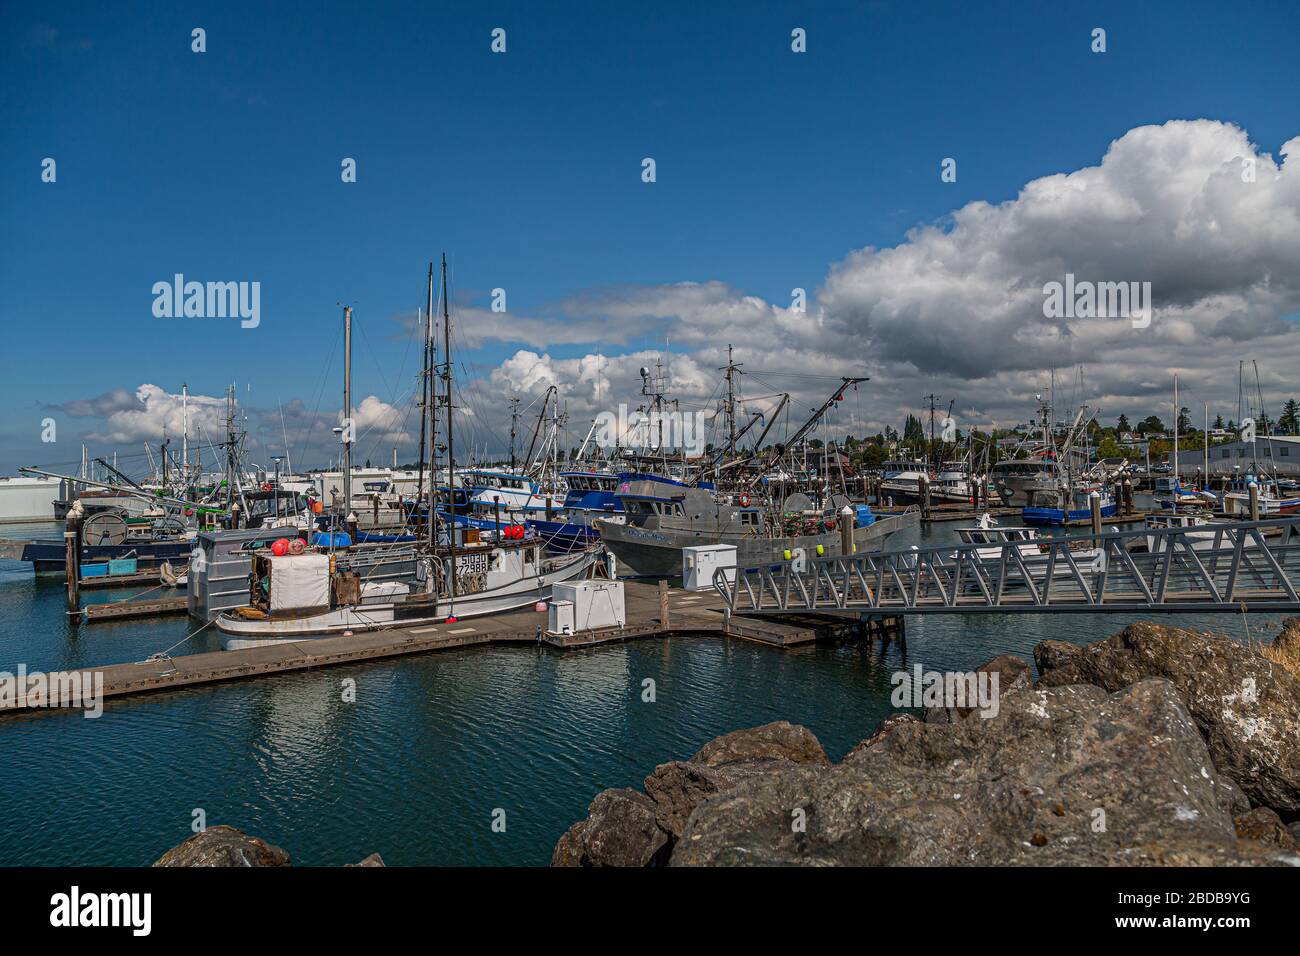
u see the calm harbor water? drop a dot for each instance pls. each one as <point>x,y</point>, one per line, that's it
<point>433,744</point>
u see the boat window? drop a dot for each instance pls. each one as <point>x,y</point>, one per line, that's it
<point>530,555</point>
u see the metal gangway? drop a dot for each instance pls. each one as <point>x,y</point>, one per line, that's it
<point>1222,566</point>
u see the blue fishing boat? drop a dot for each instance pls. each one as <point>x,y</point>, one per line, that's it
<point>1080,510</point>
<point>591,494</point>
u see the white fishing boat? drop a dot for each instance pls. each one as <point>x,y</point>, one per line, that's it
<point>297,597</point>
<point>1210,533</point>
<point>990,541</point>
<point>1271,501</point>
<point>953,484</point>
<point>901,481</point>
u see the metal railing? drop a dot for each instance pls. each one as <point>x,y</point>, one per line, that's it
<point>1232,566</point>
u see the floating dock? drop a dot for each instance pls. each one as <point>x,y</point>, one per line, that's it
<point>688,612</point>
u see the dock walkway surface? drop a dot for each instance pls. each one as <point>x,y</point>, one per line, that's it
<point>689,612</point>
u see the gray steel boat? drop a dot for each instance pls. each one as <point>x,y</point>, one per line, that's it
<point>664,516</point>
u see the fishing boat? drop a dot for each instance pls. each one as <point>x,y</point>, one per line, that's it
<point>298,597</point>
<point>953,484</point>
<point>307,595</point>
<point>1272,501</point>
<point>106,536</point>
<point>1209,535</point>
<point>514,496</point>
<point>990,540</point>
<point>1073,504</point>
<point>591,495</point>
<point>663,516</point>
<point>1024,483</point>
<point>901,481</point>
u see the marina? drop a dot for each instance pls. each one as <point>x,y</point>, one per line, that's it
<point>286,738</point>
<point>520,456</point>
<point>688,614</point>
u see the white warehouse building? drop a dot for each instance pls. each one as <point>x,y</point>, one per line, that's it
<point>1280,453</point>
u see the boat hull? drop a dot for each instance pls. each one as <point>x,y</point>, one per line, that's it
<point>1054,517</point>
<point>48,557</point>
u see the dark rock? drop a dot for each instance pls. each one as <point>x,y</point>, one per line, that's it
<point>1061,776</point>
<point>1246,707</point>
<point>1265,826</point>
<point>1013,674</point>
<point>373,859</point>
<point>725,761</point>
<point>224,846</point>
<point>620,830</point>
<point>780,740</point>
<point>1053,654</point>
<point>1288,639</point>
<point>626,828</point>
<point>883,730</point>
<point>677,787</point>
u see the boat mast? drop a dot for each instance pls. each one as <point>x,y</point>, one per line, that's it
<point>514,422</point>
<point>1177,415</point>
<point>427,420</point>
<point>1205,482</point>
<point>185,435</point>
<point>347,410</point>
<point>731,370</point>
<point>451,453</point>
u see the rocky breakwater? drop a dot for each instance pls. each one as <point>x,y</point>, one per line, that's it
<point>227,846</point>
<point>1155,746</point>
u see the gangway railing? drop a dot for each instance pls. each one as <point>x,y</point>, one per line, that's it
<point>1221,566</point>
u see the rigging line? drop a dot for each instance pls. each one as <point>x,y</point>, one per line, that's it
<point>391,420</point>
<point>310,426</point>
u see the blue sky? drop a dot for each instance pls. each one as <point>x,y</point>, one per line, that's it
<point>525,166</point>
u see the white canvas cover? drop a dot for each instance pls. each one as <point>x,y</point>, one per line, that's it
<point>300,581</point>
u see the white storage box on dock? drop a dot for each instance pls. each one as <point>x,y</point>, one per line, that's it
<point>561,618</point>
<point>596,604</point>
<point>699,563</point>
